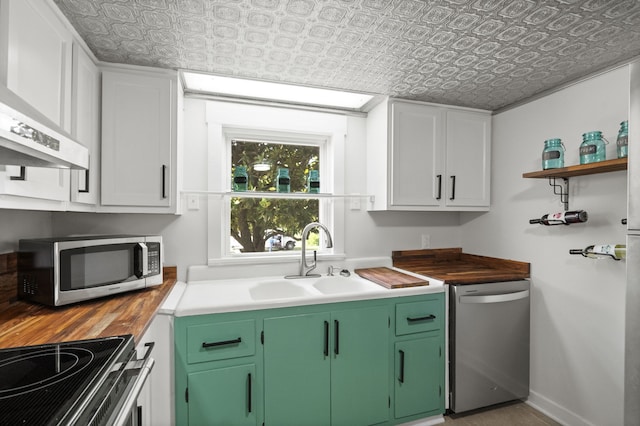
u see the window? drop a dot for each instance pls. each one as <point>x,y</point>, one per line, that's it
<point>255,132</point>
<point>272,91</point>
<point>272,224</point>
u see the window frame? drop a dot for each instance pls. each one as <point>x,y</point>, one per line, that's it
<point>228,121</point>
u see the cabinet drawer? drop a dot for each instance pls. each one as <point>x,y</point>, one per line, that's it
<point>417,317</point>
<point>213,342</point>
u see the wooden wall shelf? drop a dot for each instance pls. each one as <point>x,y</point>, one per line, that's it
<point>615,165</point>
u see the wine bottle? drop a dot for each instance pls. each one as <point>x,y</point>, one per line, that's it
<point>615,251</point>
<point>562,218</point>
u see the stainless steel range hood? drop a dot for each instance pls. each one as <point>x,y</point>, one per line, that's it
<point>26,139</point>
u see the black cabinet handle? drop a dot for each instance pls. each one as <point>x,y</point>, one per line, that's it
<point>221,343</point>
<point>336,329</point>
<point>428,317</point>
<point>439,177</point>
<point>22,175</point>
<point>326,338</point>
<point>249,400</point>
<point>401,378</point>
<point>86,182</point>
<point>453,187</point>
<point>164,181</point>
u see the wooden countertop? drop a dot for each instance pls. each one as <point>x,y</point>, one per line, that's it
<point>25,323</point>
<point>455,267</point>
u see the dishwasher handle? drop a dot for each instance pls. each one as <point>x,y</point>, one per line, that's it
<point>495,298</point>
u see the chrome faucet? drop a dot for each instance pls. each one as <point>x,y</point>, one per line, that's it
<point>305,268</point>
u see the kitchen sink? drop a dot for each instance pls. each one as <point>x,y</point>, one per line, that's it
<point>277,289</point>
<point>340,284</point>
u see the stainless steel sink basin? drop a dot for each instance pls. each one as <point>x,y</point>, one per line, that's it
<point>340,284</point>
<point>277,289</point>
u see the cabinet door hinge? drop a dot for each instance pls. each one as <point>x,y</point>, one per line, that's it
<point>389,401</point>
<point>186,395</point>
<point>262,337</point>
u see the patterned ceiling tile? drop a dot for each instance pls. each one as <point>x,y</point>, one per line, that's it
<point>477,53</point>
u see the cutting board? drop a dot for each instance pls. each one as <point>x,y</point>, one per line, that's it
<point>389,278</point>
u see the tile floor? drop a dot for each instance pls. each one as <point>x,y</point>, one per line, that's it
<point>508,414</point>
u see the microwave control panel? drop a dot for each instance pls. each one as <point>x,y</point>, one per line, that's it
<point>153,257</point>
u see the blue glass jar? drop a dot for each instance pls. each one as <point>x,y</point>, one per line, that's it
<point>622,143</point>
<point>313,182</point>
<point>283,181</point>
<point>593,148</point>
<point>240,178</point>
<point>553,154</point>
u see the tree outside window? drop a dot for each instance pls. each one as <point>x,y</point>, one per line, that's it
<point>272,224</point>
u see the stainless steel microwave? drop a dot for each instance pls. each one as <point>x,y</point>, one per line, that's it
<point>59,271</point>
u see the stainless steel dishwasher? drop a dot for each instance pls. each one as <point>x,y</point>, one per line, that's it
<point>489,344</point>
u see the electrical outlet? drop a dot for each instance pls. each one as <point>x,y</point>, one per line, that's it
<point>425,241</point>
<point>193,202</point>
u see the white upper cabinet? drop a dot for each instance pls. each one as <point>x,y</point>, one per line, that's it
<point>36,56</point>
<point>416,135</point>
<point>35,183</point>
<point>85,126</point>
<point>35,64</point>
<point>468,151</point>
<point>428,157</point>
<point>139,140</point>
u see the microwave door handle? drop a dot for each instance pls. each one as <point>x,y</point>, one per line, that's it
<point>142,260</point>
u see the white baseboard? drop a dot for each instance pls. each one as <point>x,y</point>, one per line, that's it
<point>557,412</point>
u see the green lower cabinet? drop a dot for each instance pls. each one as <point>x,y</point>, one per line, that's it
<point>358,363</point>
<point>296,370</point>
<point>224,396</point>
<point>327,368</point>
<point>360,367</point>
<point>419,378</point>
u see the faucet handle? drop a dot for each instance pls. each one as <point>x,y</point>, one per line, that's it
<point>330,271</point>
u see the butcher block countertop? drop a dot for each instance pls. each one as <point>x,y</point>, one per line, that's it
<point>453,266</point>
<point>25,324</point>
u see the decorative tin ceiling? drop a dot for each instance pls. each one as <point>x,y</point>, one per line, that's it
<point>478,53</point>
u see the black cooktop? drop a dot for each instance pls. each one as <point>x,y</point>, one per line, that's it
<point>46,384</point>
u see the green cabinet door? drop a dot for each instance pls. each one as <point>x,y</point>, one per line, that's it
<point>223,396</point>
<point>419,376</point>
<point>297,370</point>
<point>360,366</point>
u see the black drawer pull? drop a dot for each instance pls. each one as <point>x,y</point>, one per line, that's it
<point>222,343</point>
<point>326,338</point>
<point>249,394</point>
<point>428,317</point>
<point>336,347</point>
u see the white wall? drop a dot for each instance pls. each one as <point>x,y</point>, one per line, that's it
<point>17,224</point>
<point>577,340</point>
